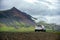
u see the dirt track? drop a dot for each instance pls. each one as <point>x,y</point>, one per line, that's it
<point>29,36</point>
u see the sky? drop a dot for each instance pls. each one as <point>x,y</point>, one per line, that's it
<point>43,10</point>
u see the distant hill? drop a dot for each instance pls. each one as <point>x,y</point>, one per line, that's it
<point>50,26</point>
<point>15,18</point>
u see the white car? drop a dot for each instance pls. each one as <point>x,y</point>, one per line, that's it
<point>40,28</point>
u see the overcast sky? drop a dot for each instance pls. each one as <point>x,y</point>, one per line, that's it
<point>47,10</point>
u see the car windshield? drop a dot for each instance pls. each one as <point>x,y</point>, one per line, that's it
<point>39,26</point>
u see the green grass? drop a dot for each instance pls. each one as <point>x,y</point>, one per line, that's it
<point>21,29</point>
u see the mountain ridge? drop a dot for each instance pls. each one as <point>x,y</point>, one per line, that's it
<point>9,16</point>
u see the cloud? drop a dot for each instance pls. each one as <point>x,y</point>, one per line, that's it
<point>48,4</point>
<point>31,1</point>
<point>6,4</point>
<point>49,19</point>
<point>53,19</point>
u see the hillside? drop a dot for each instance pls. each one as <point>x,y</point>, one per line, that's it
<point>16,18</point>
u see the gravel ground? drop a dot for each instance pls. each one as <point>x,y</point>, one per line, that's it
<point>29,36</point>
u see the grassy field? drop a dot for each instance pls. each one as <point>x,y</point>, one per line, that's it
<point>20,29</point>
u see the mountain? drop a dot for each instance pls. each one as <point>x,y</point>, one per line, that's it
<point>15,17</point>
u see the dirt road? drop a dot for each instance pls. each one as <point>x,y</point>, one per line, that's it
<point>29,36</point>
